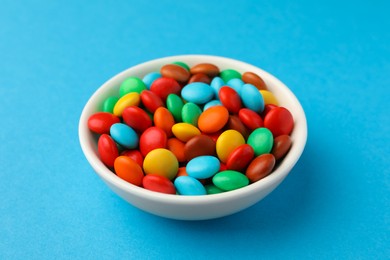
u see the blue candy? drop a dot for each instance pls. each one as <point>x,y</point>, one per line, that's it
<point>252,98</point>
<point>150,77</point>
<point>124,135</point>
<point>203,167</point>
<point>211,104</point>
<point>236,84</point>
<point>217,83</point>
<point>187,185</point>
<point>197,92</point>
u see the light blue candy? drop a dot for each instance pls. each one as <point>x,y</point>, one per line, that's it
<point>236,84</point>
<point>217,83</point>
<point>150,77</point>
<point>197,92</point>
<point>124,135</point>
<point>252,98</point>
<point>212,103</point>
<point>203,167</point>
<point>187,185</point>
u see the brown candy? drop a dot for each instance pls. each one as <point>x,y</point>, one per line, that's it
<point>200,77</point>
<point>282,144</point>
<point>207,68</point>
<point>235,123</point>
<point>176,72</point>
<point>254,79</point>
<point>198,146</point>
<point>260,167</point>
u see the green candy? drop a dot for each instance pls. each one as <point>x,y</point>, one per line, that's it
<point>182,64</point>
<point>175,105</point>
<point>261,141</point>
<point>132,84</point>
<point>212,189</point>
<point>190,113</point>
<point>109,103</point>
<point>230,180</point>
<point>229,74</point>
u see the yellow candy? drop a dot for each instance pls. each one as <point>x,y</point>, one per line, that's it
<point>131,99</point>
<point>269,98</point>
<point>185,131</point>
<point>227,142</point>
<point>161,162</point>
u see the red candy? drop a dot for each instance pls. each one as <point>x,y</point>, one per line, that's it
<point>250,118</point>
<point>135,155</point>
<point>240,157</point>
<point>162,87</point>
<point>107,149</point>
<point>151,101</point>
<point>136,118</point>
<point>101,122</point>
<point>158,183</point>
<point>279,121</point>
<point>151,139</point>
<point>230,99</point>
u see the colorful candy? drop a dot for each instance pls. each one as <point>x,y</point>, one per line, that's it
<point>192,130</point>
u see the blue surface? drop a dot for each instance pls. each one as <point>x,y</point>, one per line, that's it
<point>334,55</point>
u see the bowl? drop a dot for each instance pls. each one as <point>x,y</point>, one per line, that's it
<point>194,207</point>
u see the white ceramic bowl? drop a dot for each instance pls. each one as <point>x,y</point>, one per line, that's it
<point>194,207</point>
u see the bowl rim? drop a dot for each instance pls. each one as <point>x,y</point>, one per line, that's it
<point>277,175</point>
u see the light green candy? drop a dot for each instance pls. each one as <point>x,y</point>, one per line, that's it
<point>109,103</point>
<point>212,189</point>
<point>181,64</point>
<point>261,140</point>
<point>229,74</point>
<point>230,180</point>
<point>190,113</point>
<point>175,105</point>
<point>131,84</point>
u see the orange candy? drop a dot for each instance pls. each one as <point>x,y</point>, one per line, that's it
<point>128,170</point>
<point>182,172</point>
<point>177,148</point>
<point>164,119</point>
<point>213,119</point>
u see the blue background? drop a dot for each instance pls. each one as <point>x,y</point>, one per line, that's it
<point>334,55</point>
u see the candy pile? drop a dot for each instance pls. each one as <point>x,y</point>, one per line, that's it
<point>192,131</point>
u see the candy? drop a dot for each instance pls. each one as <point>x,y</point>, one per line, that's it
<point>197,92</point>
<point>176,72</point>
<point>230,180</point>
<point>124,135</point>
<point>261,140</point>
<point>187,185</point>
<point>158,183</point>
<point>199,145</point>
<point>279,121</point>
<point>151,139</point>
<point>254,79</point>
<point>203,167</point>
<point>101,122</point>
<point>185,131</point>
<point>213,119</point>
<point>227,142</point>
<point>251,98</point>
<point>128,170</point>
<point>260,167</point>
<point>132,84</point>
<point>136,118</point>
<point>161,162</point>
<point>225,130</point>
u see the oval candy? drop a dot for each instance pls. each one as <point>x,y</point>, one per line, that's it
<point>197,92</point>
<point>124,135</point>
<point>212,103</point>
<point>128,170</point>
<point>131,99</point>
<point>151,101</point>
<point>227,142</point>
<point>185,131</point>
<point>240,158</point>
<point>229,74</point>
<point>235,123</point>
<point>279,121</point>
<point>176,72</point>
<point>203,167</point>
<point>136,118</point>
<point>236,84</point>
<point>107,149</point>
<point>230,180</point>
<point>151,139</point>
<point>216,84</point>
<point>177,148</point>
<point>182,64</point>
<point>250,118</point>
<point>269,98</point>
<point>282,144</point>
<point>199,145</point>
<point>251,98</point>
<point>135,155</point>
<point>158,183</point>
<point>206,68</point>
<point>213,119</point>
<point>260,167</point>
<point>212,189</point>
<point>261,140</point>
<point>109,104</point>
<point>230,99</point>
<point>200,77</point>
<point>175,105</point>
<point>162,87</point>
<point>131,84</point>
<point>254,79</point>
<point>149,78</point>
<point>163,119</point>
<point>187,185</point>
<point>190,113</point>
<point>101,122</point>
<point>161,162</point>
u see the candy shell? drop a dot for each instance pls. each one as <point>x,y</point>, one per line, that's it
<point>212,103</point>
<point>101,122</point>
<point>254,79</point>
<point>162,87</point>
<point>261,141</point>
<point>203,167</point>
<point>131,99</point>
<point>227,142</point>
<point>135,155</point>
<point>128,170</point>
<point>251,98</point>
<point>269,98</point>
<point>161,162</point>
<point>131,84</point>
<point>200,77</point>
<point>185,131</point>
<point>163,119</point>
<point>158,183</point>
<point>151,139</point>
<point>109,104</point>
<point>107,149</point>
<point>240,157</point>
<point>190,113</point>
<point>176,72</point>
<point>279,121</point>
<point>229,74</point>
<point>175,106</point>
<point>216,84</point>
<point>250,118</point>
<point>149,78</point>
<point>230,180</point>
<point>197,92</point>
<point>282,144</point>
<point>136,118</point>
<point>212,189</point>
<point>230,99</point>
<point>187,185</point>
<point>177,148</point>
<point>236,84</point>
<point>207,68</point>
<point>124,135</point>
<point>151,101</point>
<point>260,167</point>
<point>213,119</point>
<point>199,145</point>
